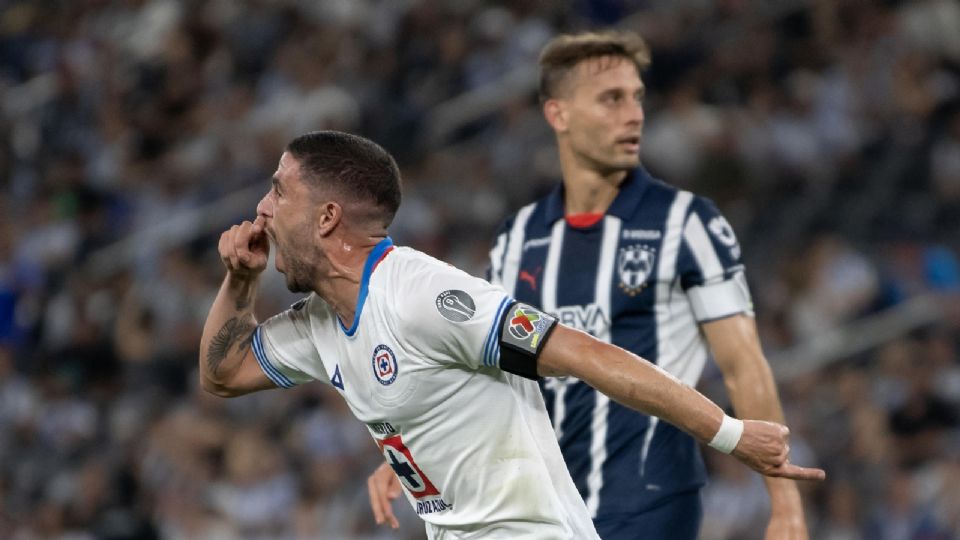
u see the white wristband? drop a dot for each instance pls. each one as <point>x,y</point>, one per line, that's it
<point>728,435</point>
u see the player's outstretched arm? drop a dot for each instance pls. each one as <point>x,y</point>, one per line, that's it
<point>640,385</point>
<point>227,365</point>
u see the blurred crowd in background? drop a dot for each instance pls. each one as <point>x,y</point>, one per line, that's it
<point>827,131</point>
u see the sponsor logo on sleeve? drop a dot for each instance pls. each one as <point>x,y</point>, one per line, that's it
<point>722,231</point>
<point>384,365</point>
<point>456,306</point>
<point>525,327</point>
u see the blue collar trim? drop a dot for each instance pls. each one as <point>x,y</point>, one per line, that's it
<point>372,259</point>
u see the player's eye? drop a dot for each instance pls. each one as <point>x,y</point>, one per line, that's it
<point>611,98</point>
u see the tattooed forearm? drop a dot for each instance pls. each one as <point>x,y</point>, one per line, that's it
<point>233,331</point>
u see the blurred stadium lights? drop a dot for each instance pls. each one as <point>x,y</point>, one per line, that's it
<point>182,227</point>
<point>448,117</point>
<point>857,337</point>
<point>451,115</point>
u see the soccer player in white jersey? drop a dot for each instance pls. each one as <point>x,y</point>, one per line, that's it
<point>439,365</point>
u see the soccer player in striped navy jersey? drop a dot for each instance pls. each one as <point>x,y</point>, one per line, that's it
<point>643,265</point>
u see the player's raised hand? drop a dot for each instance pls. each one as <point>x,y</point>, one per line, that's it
<point>764,447</point>
<point>383,487</point>
<point>244,248</point>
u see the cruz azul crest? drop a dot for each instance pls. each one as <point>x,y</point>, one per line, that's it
<point>634,264</point>
<point>384,365</point>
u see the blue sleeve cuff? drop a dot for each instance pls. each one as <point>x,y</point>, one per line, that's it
<point>491,346</point>
<point>268,368</point>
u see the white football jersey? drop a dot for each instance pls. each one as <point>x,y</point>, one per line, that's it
<point>419,365</point>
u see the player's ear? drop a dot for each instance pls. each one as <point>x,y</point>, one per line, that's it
<point>329,216</point>
<point>555,111</point>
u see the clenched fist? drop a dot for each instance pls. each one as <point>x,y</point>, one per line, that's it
<point>765,448</point>
<point>244,249</point>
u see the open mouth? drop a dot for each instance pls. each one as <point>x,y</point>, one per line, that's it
<point>631,144</point>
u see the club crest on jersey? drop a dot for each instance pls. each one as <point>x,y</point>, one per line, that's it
<point>384,365</point>
<point>634,264</point>
<point>456,306</point>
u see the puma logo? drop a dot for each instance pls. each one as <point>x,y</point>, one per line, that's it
<point>529,278</point>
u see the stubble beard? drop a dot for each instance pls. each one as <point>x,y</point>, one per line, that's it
<point>299,273</point>
<point>606,160</point>
<point>618,161</point>
<point>611,164</point>
<point>299,276</point>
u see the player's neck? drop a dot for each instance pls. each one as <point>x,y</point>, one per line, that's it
<point>341,275</point>
<point>587,191</point>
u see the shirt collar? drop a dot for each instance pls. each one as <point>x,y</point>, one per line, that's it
<point>624,205</point>
<point>378,252</point>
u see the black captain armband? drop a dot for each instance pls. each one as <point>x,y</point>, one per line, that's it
<point>523,331</point>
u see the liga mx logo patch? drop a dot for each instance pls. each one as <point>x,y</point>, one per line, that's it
<point>456,306</point>
<point>634,264</point>
<point>384,365</point>
<point>526,326</point>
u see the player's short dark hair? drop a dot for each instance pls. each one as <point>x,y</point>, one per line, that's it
<point>564,52</point>
<point>353,166</point>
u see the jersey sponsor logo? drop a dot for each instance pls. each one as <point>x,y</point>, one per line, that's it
<point>382,428</point>
<point>401,461</point>
<point>525,327</point>
<point>589,318</point>
<point>432,506</point>
<point>641,234</point>
<point>456,306</point>
<point>634,264</point>
<point>384,365</point>
<point>721,229</point>
<point>536,242</point>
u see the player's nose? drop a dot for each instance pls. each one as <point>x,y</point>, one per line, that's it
<point>635,114</point>
<point>265,206</point>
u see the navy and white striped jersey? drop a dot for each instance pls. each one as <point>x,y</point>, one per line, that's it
<point>660,261</point>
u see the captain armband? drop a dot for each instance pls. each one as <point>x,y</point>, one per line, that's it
<point>523,331</point>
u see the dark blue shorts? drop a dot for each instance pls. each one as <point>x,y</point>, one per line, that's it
<point>678,518</point>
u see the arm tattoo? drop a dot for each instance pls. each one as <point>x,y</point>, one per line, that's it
<point>233,331</point>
